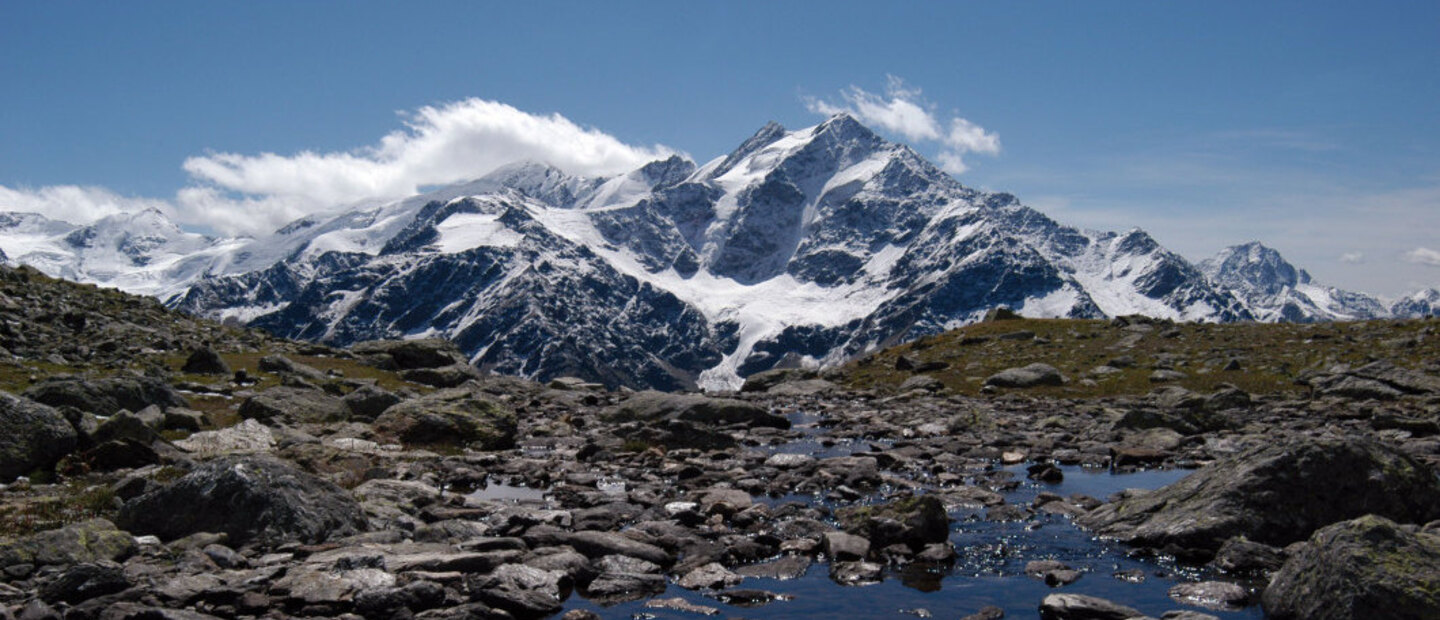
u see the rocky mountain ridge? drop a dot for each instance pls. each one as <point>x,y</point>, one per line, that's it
<point>800,248</point>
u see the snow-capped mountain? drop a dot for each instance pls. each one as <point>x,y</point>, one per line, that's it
<point>802,247</point>
<point>1424,302</point>
<point>142,252</point>
<point>1275,290</point>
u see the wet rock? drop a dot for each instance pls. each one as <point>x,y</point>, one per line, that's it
<point>1275,494</point>
<point>1241,556</point>
<point>1082,607</point>
<point>205,361</point>
<point>1368,567</point>
<point>291,405</point>
<point>524,591</point>
<point>782,568</point>
<point>656,406</point>
<point>844,547</point>
<point>914,522</point>
<point>104,397</point>
<point>248,498</point>
<point>712,576</point>
<point>85,581</point>
<point>1045,472</point>
<point>88,541</point>
<point>457,416</point>
<point>986,613</point>
<point>247,437</point>
<point>856,573</point>
<point>1033,375</point>
<point>32,436</point>
<point>1210,595</point>
<point>409,354</point>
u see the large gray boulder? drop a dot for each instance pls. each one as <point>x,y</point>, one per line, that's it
<point>652,406</point>
<point>457,416</point>
<point>88,541</point>
<point>409,354</point>
<point>1276,494</point>
<point>250,498</point>
<point>1034,375</point>
<point>294,405</point>
<point>104,397</point>
<point>1366,568</point>
<point>32,436</point>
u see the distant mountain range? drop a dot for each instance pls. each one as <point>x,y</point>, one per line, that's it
<point>800,248</point>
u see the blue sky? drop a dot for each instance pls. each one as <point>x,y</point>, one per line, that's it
<point>1310,126</point>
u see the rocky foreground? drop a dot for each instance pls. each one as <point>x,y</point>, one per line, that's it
<point>230,475</point>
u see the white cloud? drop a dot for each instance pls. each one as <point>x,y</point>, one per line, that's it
<point>1353,258</point>
<point>439,145</point>
<point>245,194</point>
<point>903,110</point>
<point>75,204</point>
<point>1423,256</point>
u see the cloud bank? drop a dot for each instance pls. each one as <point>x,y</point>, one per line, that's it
<point>1424,256</point>
<point>233,193</point>
<point>904,111</point>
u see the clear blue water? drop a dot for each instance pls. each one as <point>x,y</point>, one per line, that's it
<point>990,570</point>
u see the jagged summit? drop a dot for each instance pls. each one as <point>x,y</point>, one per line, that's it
<point>800,248</point>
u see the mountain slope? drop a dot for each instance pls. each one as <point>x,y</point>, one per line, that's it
<point>1275,290</point>
<point>801,247</point>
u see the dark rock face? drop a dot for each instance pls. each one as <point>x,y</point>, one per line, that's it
<point>456,416</point>
<point>32,436</point>
<point>1275,494</point>
<point>249,498</point>
<point>1366,568</point>
<point>85,581</point>
<point>106,396</point>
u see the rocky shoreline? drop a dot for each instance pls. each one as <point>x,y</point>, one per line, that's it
<point>287,489</point>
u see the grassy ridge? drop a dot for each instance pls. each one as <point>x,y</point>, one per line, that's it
<point>1261,358</point>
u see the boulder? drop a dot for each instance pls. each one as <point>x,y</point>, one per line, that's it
<point>652,406</point>
<point>205,361</point>
<point>913,521</point>
<point>104,397</point>
<point>85,581</point>
<point>524,591</point>
<point>409,354</point>
<point>293,405</point>
<point>247,437</point>
<point>764,380</point>
<point>1082,607</point>
<point>88,541</point>
<point>457,416</point>
<point>1276,494</point>
<point>281,365</point>
<point>450,376</point>
<point>32,436</point>
<point>367,402</point>
<point>249,498</point>
<point>1368,567</point>
<point>1219,595</point>
<point>1033,375</point>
